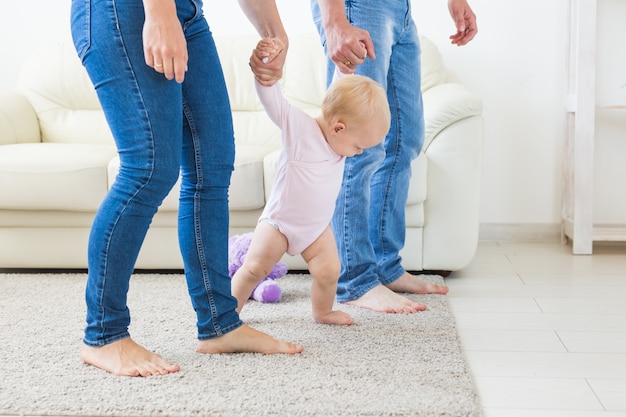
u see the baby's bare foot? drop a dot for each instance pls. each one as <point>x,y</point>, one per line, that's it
<point>384,300</point>
<point>334,317</point>
<point>247,339</point>
<point>126,358</point>
<point>413,284</point>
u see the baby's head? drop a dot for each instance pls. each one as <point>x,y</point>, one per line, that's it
<point>356,112</point>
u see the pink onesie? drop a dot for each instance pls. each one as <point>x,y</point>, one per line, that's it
<point>302,200</point>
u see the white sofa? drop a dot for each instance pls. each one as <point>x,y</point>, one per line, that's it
<point>57,160</point>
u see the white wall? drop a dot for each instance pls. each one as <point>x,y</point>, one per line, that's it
<point>517,64</point>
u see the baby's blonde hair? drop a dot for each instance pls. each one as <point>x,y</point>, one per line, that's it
<point>356,98</point>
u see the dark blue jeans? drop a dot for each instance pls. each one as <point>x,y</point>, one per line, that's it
<point>161,129</point>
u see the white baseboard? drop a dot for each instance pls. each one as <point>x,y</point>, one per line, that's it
<point>520,232</point>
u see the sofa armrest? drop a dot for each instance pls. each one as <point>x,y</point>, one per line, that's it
<point>18,120</point>
<point>453,146</point>
<point>446,104</point>
<point>452,207</point>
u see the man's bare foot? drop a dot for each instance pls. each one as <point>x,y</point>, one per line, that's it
<point>126,358</point>
<point>384,300</point>
<point>413,284</point>
<point>335,317</point>
<point>247,339</point>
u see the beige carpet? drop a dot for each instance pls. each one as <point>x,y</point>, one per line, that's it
<point>383,365</point>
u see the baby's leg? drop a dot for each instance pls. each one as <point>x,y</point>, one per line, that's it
<point>268,245</point>
<point>323,261</point>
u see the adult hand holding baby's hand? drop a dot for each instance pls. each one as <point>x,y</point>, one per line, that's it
<point>267,60</point>
<point>268,48</point>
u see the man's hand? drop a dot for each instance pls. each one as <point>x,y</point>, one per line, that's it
<point>465,21</point>
<point>348,46</point>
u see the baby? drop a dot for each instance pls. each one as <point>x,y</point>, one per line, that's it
<point>296,220</point>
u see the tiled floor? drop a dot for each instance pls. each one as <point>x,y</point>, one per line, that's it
<point>544,331</point>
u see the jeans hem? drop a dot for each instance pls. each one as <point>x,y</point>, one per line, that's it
<point>221,332</point>
<point>395,276</point>
<point>362,291</point>
<point>107,341</point>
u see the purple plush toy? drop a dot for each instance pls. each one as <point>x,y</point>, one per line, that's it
<point>268,290</point>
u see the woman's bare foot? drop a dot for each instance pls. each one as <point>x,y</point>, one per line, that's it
<point>413,284</point>
<point>126,358</point>
<point>384,300</point>
<point>335,317</point>
<point>247,339</point>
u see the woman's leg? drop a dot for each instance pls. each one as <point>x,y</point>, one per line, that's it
<point>207,164</point>
<point>107,36</point>
<point>208,158</point>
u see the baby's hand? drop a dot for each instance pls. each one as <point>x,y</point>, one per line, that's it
<point>267,60</point>
<point>268,48</point>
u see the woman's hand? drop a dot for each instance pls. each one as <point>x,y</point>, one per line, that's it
<point>164,44</point>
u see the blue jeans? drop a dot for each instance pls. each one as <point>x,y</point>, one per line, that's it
<point>161,129</point>
<point>369,220</point>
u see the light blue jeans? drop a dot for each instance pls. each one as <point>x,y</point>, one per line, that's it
<point>161,128</point>
<point>369,220</point>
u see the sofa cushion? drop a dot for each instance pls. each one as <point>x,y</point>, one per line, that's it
<point>246,190</point>
<point>53,176</point>
<point>63,97</point>
<point>67,107</point>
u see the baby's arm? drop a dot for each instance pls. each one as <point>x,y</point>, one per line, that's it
<point>275,104</point>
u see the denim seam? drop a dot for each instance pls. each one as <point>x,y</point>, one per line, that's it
<point>109,340</point>
<point>362,291</point>
<point>197,223</point>
<point>221,331</point>
<point>386,202</point>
